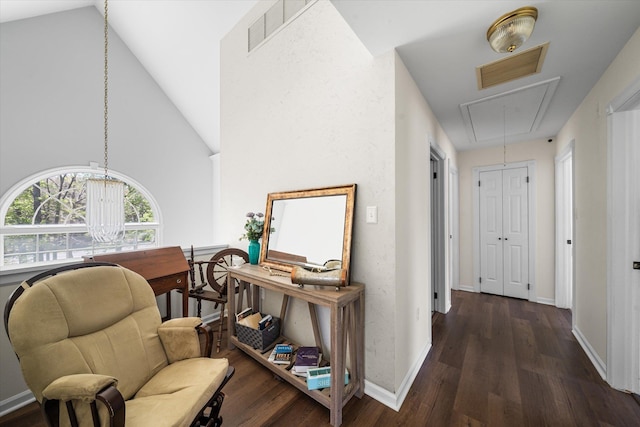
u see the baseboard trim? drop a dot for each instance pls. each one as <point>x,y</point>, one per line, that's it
<point>395,400</point>
<point>546,301</point>
<point>466,288</point>
<point>600,366</point>
<point>16,402</point>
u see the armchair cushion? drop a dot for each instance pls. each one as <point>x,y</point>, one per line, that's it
<point>187,384</point>
<point>180,338</point>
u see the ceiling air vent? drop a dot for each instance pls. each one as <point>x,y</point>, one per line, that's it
<point>511,68</point>
<point>281,13</point>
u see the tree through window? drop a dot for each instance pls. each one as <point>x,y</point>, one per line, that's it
<point>43,220</point>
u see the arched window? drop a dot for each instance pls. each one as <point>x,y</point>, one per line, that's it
<point>43,218</point>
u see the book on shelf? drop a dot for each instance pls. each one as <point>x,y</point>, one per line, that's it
<point>244,313</point>
<point>252,321</point>
<point>283,348</point>
<point>306,357</point>
<point>265,322</point>
<point>280,356</point>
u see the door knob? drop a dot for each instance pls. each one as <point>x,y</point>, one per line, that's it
<point>636,265</point>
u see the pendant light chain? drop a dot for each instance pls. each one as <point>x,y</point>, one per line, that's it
<point>504,141</point>
<point>106,90</point>
<point>105,212</point>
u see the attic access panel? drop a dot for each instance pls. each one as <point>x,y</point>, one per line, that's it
<point>516,112</point>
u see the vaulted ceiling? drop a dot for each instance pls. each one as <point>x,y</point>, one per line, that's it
<point>441,43</point>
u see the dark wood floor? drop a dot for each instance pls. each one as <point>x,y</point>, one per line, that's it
<point>495,362</point>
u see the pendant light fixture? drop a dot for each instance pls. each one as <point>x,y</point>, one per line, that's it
<point>511,30</point>
<point>105,196</point>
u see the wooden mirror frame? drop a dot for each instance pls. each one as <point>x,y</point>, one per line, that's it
<point>348,190</point>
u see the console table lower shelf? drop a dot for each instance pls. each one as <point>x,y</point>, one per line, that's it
<point>347,332</point>
<point>323,396</point>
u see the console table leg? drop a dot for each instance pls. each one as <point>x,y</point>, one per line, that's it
<point>337,364</point>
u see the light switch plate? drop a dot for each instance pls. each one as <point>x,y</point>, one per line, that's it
<point>372,214</point>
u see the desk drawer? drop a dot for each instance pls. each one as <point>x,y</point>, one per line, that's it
<point>164,284</point>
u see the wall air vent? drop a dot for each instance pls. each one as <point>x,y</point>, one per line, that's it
<point>281,13</point>
<point>512,67</point>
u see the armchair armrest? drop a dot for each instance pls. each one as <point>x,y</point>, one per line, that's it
<point>82,387</point>
<point>179,338</point>
<point>87,388</point>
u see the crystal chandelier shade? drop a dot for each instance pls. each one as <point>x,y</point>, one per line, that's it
<point>511,30</point>
<point>105,210</point>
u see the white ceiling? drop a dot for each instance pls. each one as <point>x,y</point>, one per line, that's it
<point>440,42</point>
<point>177,41</point>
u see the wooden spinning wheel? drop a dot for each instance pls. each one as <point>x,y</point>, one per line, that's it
<point>218,266</point>
<point>214,287</point>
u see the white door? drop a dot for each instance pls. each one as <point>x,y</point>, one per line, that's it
<point>623,246</point>
<point>564,228</point>
<point>504,238</point>
<point>491,232</point>
<point>515,232</point>
<point>634,213</point>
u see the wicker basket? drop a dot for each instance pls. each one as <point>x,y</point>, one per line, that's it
<point>259,339</point>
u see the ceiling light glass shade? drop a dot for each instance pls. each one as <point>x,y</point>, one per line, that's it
<point>105,210</point>
<point>511,30</point>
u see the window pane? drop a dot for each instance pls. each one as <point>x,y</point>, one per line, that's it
<point>137,207</point>
<point>30,248</point>
<point>19,249</point>
<point>57,200</point>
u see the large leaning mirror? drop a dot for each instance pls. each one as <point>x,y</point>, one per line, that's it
<point>309,228</point>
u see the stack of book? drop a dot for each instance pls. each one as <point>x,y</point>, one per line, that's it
<point>306,358</point>
<point>254,320</point>
<point>281,354</point>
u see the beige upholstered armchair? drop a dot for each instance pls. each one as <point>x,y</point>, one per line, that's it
<point>94,352</point>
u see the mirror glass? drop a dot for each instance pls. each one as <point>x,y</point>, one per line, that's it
<point>310,228</point>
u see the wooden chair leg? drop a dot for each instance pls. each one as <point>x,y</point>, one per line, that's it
<point>221,320</point>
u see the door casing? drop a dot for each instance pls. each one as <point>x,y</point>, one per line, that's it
<point>438,230</point>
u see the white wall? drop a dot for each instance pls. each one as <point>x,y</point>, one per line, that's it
<point>51,111</point>
<point>588,126</point>
<point>51,115</point>
<point>543,153</point>
<point>311,108</point>
<point>415,125</point>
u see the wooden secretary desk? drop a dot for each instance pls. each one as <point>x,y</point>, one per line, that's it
<point>164,268</point>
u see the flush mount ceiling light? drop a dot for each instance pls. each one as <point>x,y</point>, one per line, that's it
<point>511,30</point>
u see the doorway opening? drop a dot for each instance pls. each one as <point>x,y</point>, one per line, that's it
<point>437,231</point>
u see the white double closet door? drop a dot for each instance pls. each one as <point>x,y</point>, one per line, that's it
<point>504,232</point>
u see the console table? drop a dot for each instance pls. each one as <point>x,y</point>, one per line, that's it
<point>347,331</point>
<point>164,268</point>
